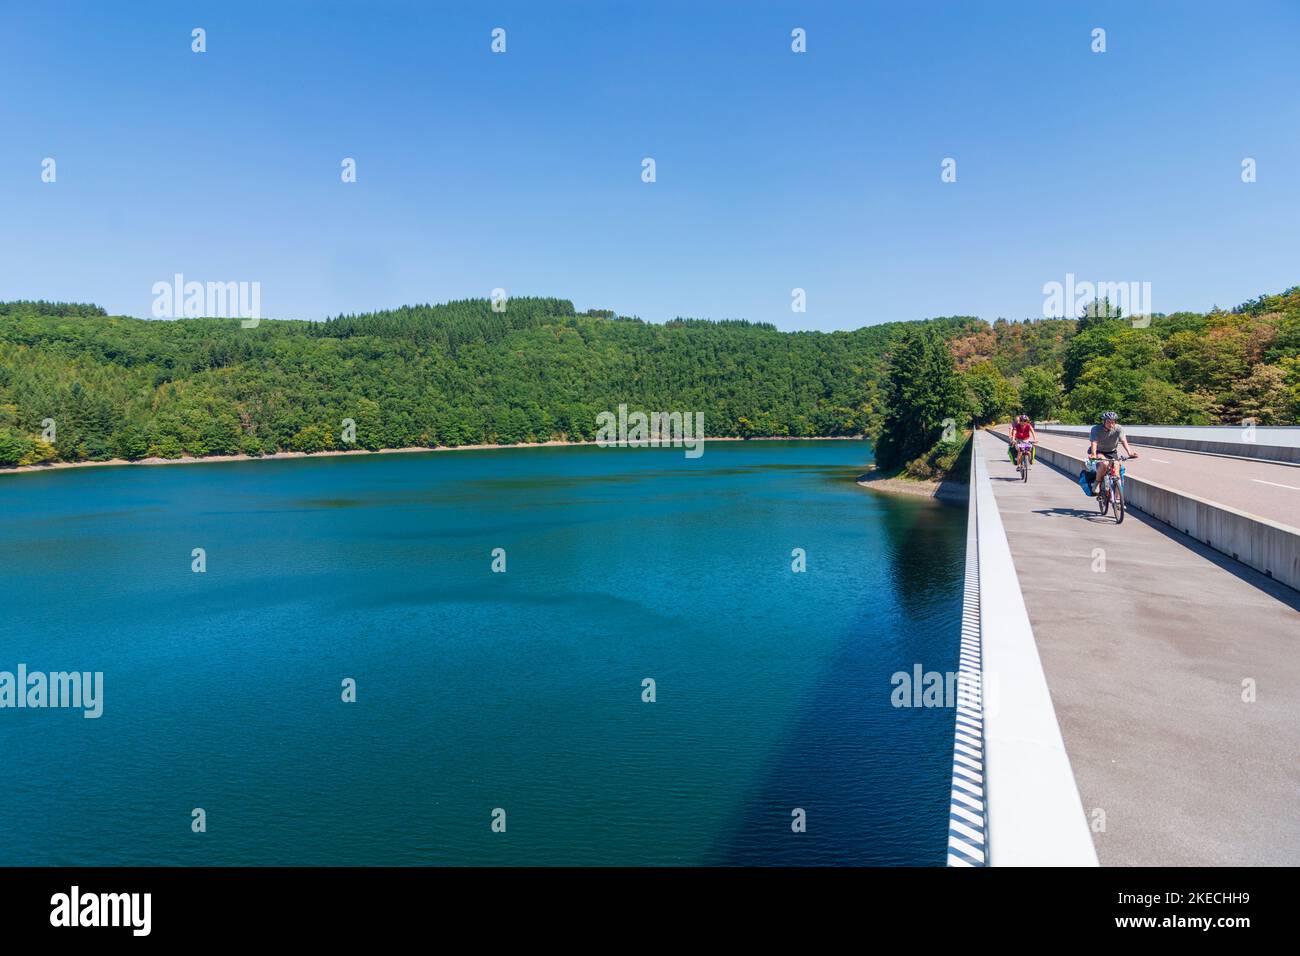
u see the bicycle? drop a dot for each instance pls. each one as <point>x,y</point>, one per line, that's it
<point>1110,491</point>
<point>1024,458</point>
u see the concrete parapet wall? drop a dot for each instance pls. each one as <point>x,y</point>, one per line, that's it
<point>1271,444</point>
<point>1034,814</point>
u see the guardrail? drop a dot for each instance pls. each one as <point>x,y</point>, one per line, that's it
<point>1267,546</point>
<point>1266,442</point>
<point>1010,768</point>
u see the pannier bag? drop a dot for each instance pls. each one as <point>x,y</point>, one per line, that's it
<point>1086,475</point>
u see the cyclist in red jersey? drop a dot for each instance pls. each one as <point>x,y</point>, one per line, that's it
<point>1022,430</point>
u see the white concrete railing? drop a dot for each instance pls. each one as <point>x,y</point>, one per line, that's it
<point>1035,816</point>
<point>968,807</point>
<point>1263,442</point>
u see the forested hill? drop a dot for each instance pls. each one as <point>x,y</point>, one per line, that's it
<point>1187,368</point>
<point>461,373</point>
<point>451,374</point>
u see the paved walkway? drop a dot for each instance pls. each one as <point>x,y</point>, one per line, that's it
<point>1262,488</point>
<point>1145,662</point>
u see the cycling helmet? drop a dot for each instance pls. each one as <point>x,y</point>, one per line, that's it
<point>1109,417</point>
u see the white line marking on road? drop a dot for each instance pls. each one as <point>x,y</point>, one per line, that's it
<point>1162,461</point>
<point>1275,484</point>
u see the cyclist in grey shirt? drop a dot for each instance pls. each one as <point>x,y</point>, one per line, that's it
<point>1104,442</point>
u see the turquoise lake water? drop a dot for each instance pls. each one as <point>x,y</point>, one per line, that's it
<point>479,690</point>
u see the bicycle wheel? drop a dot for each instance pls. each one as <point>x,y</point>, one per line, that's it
<point>1024,468</point>
<point>1119,504</point>
<point>1103,501</point>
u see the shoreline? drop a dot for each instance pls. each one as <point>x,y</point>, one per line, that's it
<point>337,452</point>
<point>946,491</point>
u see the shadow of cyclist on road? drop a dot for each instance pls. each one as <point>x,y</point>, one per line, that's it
<point>1073,513</point>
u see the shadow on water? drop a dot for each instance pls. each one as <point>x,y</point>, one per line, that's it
<point>886,804</point>
<point>927,552</point>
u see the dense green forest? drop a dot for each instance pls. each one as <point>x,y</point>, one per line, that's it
<point>1181,369</point>
<point>452,374</point>
<point>461,373</point>
<point>1186,368</point>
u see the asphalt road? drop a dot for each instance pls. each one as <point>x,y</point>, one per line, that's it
<point>1146,661</point>
<point>1261,488</point>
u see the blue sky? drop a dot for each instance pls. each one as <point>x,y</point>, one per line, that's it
<point>774,170</point>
